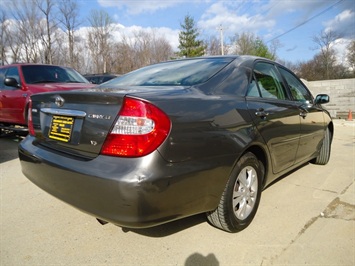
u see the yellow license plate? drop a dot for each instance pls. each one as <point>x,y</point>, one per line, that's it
<point>61,128</point>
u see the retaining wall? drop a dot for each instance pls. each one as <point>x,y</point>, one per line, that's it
<point>341,92</point>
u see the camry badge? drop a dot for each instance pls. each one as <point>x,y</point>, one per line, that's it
<point>59,101</point>
<point>98,116</point>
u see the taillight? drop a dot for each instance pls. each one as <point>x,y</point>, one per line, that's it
<point>31,129</point>
<point>140,129</point>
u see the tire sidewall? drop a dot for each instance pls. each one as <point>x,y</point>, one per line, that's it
<point>247,159</point>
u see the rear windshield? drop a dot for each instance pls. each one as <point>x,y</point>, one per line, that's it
<point>47,73</point>
<point>177,73</point>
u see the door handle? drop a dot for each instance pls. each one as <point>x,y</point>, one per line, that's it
<point>303,114</point>
<point>261,113</point>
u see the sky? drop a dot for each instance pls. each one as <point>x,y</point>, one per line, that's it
<point>292,22</point>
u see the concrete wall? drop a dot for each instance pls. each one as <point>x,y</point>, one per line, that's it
<point>341,92</point>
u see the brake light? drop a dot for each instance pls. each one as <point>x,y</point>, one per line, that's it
<point>31,129</point>
<point>140,129</point>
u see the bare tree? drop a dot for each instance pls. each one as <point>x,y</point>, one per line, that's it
<point>144,48</point>
<point>123,55</point>
<point>99,39</point>
<point>244,43</point>
<point>24,38</point>
<point>68,18</point>
<point>309,70</point>
<point>142,51</point>
<point>351,56</point>
<point>315,69</point>
<point>213,46</point>
<point>161,49</point>
<point>325,41</point>
<point>3,36</point>
<point>273,47</point>
<point>150,48</point>
<point>47,7</point>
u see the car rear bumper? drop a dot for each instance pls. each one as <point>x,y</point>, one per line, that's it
<point>130,192</point>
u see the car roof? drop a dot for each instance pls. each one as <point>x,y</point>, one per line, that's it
<point>30,64</point>
<point>243,59</point>
<point>99,75</point>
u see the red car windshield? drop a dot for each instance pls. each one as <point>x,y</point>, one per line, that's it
<point>51,74</point>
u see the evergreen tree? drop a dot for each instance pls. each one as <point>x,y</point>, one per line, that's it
<point>189,45</point>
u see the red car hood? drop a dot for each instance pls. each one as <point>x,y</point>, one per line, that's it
<point>35,88</point>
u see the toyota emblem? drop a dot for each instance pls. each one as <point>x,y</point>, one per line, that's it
<point>59,101</point>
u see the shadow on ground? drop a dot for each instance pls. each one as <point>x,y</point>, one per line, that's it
<point>169,228</point>
<point>8,147</point>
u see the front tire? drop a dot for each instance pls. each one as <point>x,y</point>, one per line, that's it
<point>324,153</point>
<point>241,196</point>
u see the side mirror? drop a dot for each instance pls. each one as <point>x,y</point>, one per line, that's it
<point>11,82</point>
<point>321,98</point>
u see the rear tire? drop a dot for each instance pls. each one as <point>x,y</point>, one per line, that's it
<point>324,152</point>
<point>241,196</point>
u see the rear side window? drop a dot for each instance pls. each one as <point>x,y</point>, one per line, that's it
<point>298,91</point>
<point>266,82</point>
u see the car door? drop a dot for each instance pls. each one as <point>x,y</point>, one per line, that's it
<point>12,99</point>
<point>274,115</point>
<point>311,116</point>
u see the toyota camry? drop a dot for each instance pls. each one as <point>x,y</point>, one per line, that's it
<point>174,139</point>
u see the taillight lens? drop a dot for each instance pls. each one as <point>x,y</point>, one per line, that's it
<point>31,129</point>
<point>140,129</point>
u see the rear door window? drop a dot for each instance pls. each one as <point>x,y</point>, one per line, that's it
<point>266,82</point>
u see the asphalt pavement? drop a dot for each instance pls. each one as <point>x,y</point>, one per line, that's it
<point>306,218</point>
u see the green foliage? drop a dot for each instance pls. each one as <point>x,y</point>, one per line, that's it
<point>189,45</point>
<point>249,44</point>
<point>260,49</point>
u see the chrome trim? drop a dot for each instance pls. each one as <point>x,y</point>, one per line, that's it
<point>65,112</point>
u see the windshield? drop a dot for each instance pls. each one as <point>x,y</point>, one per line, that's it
<point>47,73</point>
<point>177,73</point>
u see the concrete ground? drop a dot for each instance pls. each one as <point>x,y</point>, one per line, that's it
<point>308,217</point>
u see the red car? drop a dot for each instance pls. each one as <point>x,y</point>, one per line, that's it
<point>19,81</point>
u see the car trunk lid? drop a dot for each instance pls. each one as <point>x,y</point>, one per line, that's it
<point>78,122</point>
<point>74,123</point>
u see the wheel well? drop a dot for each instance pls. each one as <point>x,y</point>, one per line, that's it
<point>331,130</point>
<point>25,113</point>
<point>261,155</point>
